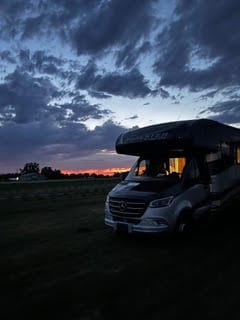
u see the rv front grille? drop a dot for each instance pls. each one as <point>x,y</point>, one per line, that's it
<point>127,208</point>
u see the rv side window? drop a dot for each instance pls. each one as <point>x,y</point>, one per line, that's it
<point>227,156</point>
<point>218,161</point>
<point>213,160</point>
<point>238,155</point>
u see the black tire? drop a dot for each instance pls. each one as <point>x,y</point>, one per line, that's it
<point>185,225</point>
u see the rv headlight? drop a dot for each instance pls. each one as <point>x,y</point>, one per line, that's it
<point>163,202</point>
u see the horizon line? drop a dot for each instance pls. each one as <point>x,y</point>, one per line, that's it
<point>104,171</point>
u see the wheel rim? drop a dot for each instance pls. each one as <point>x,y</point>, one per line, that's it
<point>182,228</point>
<point>185,227</point>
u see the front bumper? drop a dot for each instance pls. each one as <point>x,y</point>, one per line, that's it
<point>142,227</point>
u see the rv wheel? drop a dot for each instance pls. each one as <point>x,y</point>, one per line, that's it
<point>185,224</point>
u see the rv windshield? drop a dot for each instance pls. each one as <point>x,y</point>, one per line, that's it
<point>157,168</point>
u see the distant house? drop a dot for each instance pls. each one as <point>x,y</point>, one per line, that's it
<point>13,179</point>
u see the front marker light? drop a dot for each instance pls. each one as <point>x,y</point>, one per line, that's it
<point>163,202</point>
<point>107,199</point>
<point>107,205</point>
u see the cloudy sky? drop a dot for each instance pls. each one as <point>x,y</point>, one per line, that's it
<point>74,74</point>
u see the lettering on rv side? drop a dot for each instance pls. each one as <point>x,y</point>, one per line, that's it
<point>147,137</point>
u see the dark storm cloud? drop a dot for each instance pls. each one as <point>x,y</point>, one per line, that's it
<point>90,26</point>
<point>39,61</point>
<point>88,76</point>
<point>226,111</point>
<point>128,84</point>
<point>25,99</point>
<point>34,127</point>
<point>43,60</point>
<point>7,56</point>
<point>13,8</point>
<point>81,110</point>
<point>103,137</point>
<point>201,47</point>
<point>54,143</point>
<point>129,55</point>
<point>33,26</point>
<point>12,14</point>
<point>115,23</point>
<point>163,93</point>
<point>209,94</point>
<point>98,95</point>
<point>132,117</point>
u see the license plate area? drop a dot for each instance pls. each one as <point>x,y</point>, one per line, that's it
<point>122,227</point>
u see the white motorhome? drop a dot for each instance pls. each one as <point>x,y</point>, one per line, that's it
<point>184,171</point>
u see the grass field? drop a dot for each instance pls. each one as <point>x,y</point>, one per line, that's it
<point>55,188</point>
<point>59,261</point>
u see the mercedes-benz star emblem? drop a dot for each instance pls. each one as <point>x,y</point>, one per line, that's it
<point>123,206</point>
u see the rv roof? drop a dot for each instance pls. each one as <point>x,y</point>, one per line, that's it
<point>201,134</point>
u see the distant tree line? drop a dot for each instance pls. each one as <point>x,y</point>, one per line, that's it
<point>49,173</point>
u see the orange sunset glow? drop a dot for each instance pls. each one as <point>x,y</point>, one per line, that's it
<point>105,171</point>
